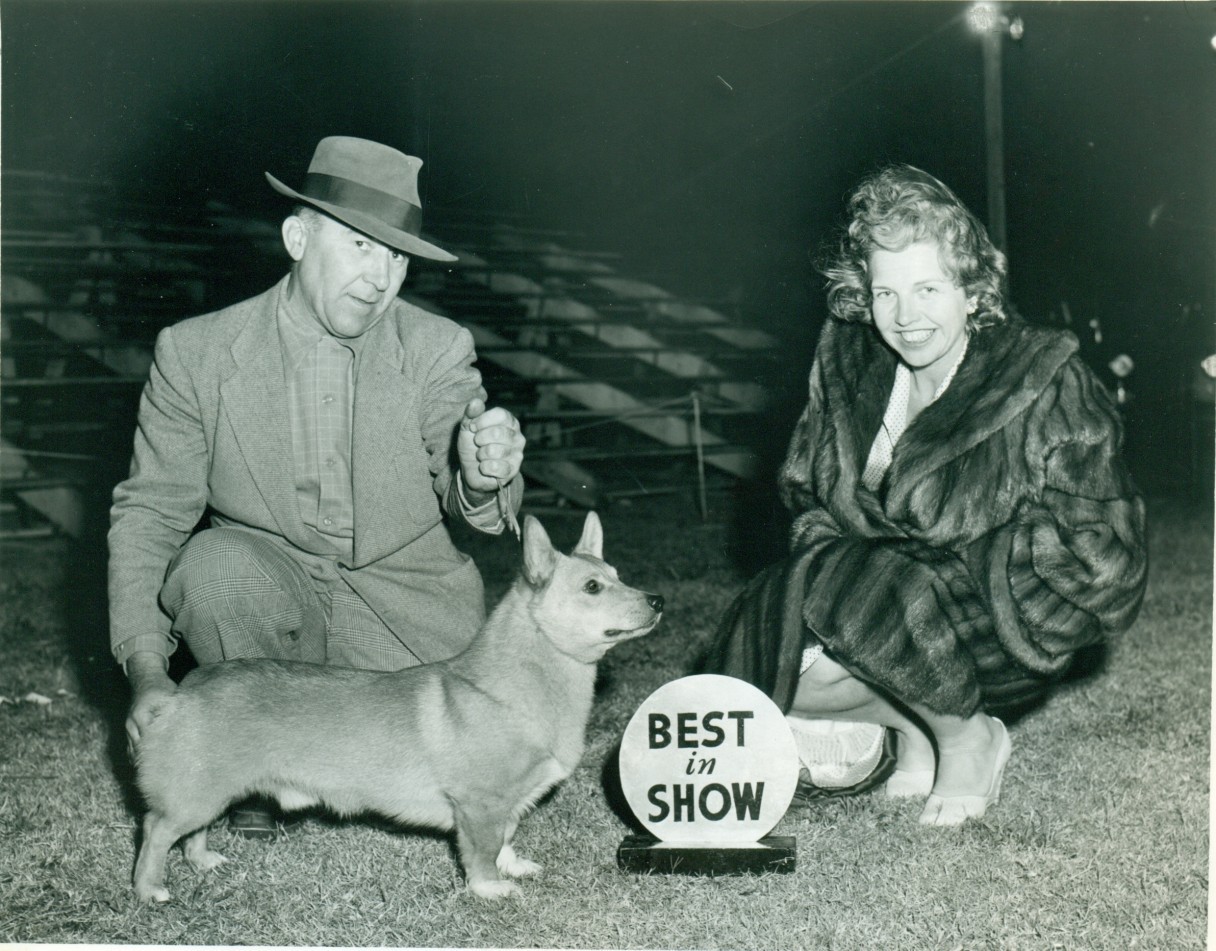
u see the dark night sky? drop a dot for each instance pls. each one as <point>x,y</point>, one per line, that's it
<point>710,143</point>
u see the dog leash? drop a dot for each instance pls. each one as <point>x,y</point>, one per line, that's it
<point>505,511</point>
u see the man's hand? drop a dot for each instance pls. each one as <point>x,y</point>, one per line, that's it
<point>152,686</point>
<point>490,447</point>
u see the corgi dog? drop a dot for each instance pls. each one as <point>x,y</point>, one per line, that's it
<point>467,744</point>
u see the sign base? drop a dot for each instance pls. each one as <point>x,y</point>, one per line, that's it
<point>644,853</point>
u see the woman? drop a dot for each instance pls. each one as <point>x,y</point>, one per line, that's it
<point>963,523</point>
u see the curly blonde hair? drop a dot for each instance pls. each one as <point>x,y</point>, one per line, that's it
<point>898,206</point>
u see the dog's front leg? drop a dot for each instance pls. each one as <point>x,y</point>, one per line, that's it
<point>508,862</point>
<point>480,835</point>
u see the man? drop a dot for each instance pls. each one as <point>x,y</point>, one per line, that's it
<point>325,427</point>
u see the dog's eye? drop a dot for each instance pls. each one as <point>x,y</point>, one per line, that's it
<point>593,587</point>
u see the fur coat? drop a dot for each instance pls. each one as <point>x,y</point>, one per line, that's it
<point>1006,534</point>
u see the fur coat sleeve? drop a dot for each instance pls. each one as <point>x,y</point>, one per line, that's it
<point>1006,534</point>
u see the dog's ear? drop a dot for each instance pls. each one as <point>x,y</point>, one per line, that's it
<point>592,541</point>
<point>539,557</point>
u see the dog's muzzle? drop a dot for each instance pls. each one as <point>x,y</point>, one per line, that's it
<point>656,604</point>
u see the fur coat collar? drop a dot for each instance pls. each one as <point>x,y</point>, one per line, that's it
<point>1005,368</point>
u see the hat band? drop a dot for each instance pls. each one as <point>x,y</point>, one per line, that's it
<point>393,211</point>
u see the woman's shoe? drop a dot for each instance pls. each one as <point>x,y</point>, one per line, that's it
<point>808,792</point>
<point>955,810</point>
<point>835,753</point>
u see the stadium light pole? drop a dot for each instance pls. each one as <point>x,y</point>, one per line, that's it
<point>992,24</point>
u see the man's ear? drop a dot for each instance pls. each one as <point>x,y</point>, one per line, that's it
<point>295,236</point>
<point>539,556</point>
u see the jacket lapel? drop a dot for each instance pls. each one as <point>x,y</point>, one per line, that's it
<point>255,399</point>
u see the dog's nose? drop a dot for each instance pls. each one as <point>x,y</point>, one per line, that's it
<point>655,601</point>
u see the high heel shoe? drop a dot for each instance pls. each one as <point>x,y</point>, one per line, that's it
<point>955,810</point>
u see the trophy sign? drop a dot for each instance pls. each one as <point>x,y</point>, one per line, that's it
<point>708,765</point>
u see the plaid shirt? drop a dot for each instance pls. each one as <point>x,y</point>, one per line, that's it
<point>321,372</point>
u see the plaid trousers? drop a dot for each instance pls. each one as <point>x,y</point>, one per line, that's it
<point>233,594</point>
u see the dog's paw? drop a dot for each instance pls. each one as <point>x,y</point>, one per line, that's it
<point>494,889</point>
<point>154,895</point>
<point>521,868</point>
<point>206,860</point>
<point>511,864</point>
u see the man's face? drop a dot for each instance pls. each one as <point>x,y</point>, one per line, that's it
<point>345,279</point>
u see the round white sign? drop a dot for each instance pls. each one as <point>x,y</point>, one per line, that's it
<point>708,759</point>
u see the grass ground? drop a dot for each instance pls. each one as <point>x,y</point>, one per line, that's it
<point>1100,841</point>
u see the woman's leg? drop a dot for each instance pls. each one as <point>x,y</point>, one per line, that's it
<point>827,691</point>
<point>970,755</point>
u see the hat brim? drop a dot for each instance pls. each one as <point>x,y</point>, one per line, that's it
<point>369,225</point>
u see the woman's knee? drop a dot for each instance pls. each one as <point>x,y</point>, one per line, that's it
<point>824,673</point>
<point>828,687</point>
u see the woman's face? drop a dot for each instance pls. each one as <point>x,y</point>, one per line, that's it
<point>918,308</point>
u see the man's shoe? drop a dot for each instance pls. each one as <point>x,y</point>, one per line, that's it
<point>258,820</point>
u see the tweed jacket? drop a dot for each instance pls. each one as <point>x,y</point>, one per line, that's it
<point>214,438</point>
<point>1005,535</point>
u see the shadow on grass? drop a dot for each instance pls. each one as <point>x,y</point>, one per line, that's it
<point>85,606</point>
<point>379,823</point>
<point>614,792</point>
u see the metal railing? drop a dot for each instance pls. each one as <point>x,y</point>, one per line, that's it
<point>99,278</point>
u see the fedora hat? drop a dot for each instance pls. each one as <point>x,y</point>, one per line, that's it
<point>370,187</point>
